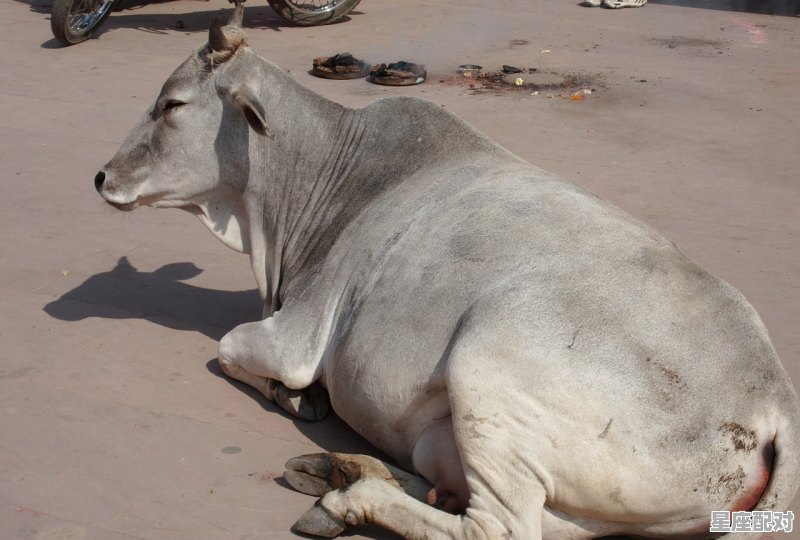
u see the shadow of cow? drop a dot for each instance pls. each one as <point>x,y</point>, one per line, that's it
<point>161,297</point>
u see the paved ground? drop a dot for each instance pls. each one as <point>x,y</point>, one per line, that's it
<point>115,421</point>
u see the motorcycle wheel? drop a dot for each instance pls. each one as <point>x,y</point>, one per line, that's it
<point>73,21</point>
<point>313,12</point>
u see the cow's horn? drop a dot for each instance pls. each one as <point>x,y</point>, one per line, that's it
<point>237,16</point>
<point>216,37</point>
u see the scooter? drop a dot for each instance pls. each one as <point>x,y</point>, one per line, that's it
<point>74,21</point>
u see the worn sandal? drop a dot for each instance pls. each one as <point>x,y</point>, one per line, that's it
<point>614,4</point>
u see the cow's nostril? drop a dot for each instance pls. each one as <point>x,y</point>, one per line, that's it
<point>99,179</point>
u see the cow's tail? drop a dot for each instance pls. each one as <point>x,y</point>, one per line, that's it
<point>784,480</point>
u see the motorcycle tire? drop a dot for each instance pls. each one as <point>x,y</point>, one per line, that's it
<point>311,12</point>
<point>74,21</point>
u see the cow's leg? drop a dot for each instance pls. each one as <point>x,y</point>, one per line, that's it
<point>505,499</point>
<point>493,425</point>
<point>269,356</point>
<point>435,458</point>
<point>371,500</point>
<point>501,506</point>
<point>310,403</point>
<point>317,474</point>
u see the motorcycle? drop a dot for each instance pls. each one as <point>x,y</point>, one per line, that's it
<point>74,21</point>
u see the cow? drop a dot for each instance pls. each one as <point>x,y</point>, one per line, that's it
<point>537,362</point>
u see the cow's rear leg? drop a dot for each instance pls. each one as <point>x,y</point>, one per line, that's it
<point>317,474</point>
<point>492,425</point>
<point>371,500</point>
<point>504,502</point>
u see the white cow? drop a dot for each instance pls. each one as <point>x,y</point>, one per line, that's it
<point>539,363</point>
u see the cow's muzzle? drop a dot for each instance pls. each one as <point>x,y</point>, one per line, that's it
<point>99,182</point>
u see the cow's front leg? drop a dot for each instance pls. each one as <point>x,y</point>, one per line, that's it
<point>260,355</point>
<point>310,404</point>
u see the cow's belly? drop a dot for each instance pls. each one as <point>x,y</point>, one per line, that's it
<point>391,395</point>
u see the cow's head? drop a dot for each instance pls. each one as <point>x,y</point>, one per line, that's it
<point>193,141</point>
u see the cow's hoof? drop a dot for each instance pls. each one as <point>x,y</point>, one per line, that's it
<point>319,522</point>
<point>310,404</point>
<point>306,483</point>
<point>317,474</point>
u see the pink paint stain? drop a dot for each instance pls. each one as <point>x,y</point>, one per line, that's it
<point>25,510</point>
<point>756,33</point>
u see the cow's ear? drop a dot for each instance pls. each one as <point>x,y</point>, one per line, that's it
<point>247,100</point>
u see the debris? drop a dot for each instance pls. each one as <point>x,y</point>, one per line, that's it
<point>546,51</point>
<point>400,73</point>
<point>510,69</point>
<point>339,66</point>
<point>65,273</point>
<point>179,25</point>
<point>578,96</point>
<point>540,82</point>
<point>469,70</point>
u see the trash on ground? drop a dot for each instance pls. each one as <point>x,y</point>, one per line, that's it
<point>339,66</point>
<point>400,73</point>
<point>469,70</point>
<point>535,81</point>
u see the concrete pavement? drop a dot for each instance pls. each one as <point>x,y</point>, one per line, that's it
<point>115,420</point>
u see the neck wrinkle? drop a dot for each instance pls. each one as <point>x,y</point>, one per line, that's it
<point>295,177</point>
<point>322,205</point>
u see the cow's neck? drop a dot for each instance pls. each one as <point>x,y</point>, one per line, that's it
<point>293,179</point>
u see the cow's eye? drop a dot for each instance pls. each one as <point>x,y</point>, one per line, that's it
<point>173,104</point>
